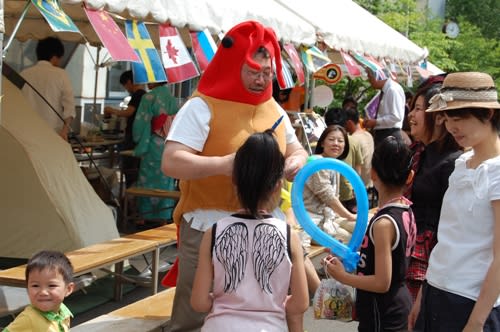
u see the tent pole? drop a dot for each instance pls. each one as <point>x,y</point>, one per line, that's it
<point>16,28</point>
<point>1,87</point>
<point>94,107</point>
<point>307,90</point>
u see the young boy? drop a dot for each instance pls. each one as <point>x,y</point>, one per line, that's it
<point>49,277</point>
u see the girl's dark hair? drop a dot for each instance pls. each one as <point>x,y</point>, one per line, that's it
<point>52,260</point>
<point>482,114</point>
<point>258,167</point>
<point>392,161</point>
<point>319,145</point>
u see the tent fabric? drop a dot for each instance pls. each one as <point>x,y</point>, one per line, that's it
<point>2,25</point>
<point>218,16</point>
<point>344,25</point>
<point>46,201</point>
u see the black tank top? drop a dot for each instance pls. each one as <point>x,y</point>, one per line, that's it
<point>387,311</point>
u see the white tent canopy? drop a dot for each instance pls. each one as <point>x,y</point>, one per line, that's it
<point>344,25</point>
<point>215,15</point>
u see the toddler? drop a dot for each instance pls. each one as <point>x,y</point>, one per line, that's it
<point>49,278</point>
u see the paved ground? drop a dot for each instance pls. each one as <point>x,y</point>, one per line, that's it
<point>310,324</point>
<point>321,325</point>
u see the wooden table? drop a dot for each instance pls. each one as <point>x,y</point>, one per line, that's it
<point>109,144</point>
<point>163,236</point>
<point>148,314</point>
<point>145,192</point>
<point>94,257</point>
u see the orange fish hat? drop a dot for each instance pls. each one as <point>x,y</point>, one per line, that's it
<point>222,78</point>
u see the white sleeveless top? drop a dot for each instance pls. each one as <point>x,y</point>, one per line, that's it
<point>252,269</point>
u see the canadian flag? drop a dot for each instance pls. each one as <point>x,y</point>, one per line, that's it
<point>176,59</point>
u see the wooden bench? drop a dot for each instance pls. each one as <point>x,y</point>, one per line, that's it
<point>315,251</point>
<point>148,314</point>
<point>164,235</point>
<point>94,257</point>
<point>145,192</point>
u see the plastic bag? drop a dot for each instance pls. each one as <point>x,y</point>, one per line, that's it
<point>333,300</point>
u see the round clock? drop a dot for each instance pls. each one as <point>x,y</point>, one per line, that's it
<point>451,29</point>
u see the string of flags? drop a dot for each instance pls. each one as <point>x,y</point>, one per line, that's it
<point>174,64</point>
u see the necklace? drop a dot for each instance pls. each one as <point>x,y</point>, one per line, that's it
<point>261,211</point>
<point>399,198</point>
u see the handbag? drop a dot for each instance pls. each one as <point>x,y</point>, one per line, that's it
<point>334,300</point>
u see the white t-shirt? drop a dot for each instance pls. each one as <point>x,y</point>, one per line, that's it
<point>464,252</point>
<point>191,128</point>
<point>391,110</point>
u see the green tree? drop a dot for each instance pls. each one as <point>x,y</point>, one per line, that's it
<point>484,14</point>
<point>477,47</point>
<point>473,49</point>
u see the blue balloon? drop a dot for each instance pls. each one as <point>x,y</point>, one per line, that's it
<point>348,253</point>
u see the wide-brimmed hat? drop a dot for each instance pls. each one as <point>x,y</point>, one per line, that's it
<point>465,90</point>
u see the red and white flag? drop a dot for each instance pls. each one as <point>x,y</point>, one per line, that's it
<point>295,62</point>
<point>204,47</point>
<point>351,65</point>
<point>111,36</point>
<point>176,59</point>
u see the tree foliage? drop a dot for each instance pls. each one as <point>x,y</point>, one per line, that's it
<point>484,14</point>
<point>477,47</point>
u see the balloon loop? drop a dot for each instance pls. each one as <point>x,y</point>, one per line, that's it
<point>348,253</point>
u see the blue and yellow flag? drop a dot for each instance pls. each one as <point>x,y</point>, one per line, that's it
<point>57,19</point>
<point>151,68</point>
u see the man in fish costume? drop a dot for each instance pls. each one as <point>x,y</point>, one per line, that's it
<point>232,101</point>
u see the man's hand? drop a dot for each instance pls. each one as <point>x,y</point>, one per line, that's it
<point>296,158</point>
<point>292,167</point>
<point>64,133</point>
<point>109,110</point>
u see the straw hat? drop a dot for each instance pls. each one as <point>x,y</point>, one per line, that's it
<point>465,90</point>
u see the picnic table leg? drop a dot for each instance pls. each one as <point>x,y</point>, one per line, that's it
<point>154,269</point>
<point>118,281</point>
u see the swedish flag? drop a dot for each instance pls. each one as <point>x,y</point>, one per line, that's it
<point>54,15</point>
<point>151,68</point>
